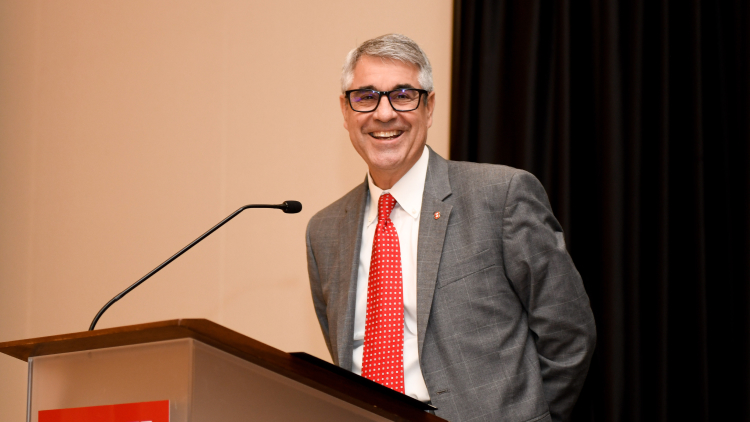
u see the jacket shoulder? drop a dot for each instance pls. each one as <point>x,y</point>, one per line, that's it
<point>470,176</point>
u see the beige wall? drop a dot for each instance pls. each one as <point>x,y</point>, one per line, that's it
<point>127,128</point>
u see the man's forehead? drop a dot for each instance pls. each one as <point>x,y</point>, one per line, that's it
<point>389,88</point>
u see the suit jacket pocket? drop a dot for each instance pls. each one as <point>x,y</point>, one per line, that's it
<point>458,269</point>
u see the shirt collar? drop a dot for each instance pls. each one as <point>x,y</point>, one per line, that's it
<point>407,191</point>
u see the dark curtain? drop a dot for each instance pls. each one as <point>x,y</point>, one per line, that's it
<point>634,115</point>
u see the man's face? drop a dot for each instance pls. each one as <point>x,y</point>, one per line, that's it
<point>389,141</point>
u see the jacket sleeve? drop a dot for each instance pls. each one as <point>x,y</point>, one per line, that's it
<point>550,289</point>
<point>316,288</point>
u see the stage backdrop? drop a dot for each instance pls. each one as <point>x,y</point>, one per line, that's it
<point>634,115</point>
<point>129,128</point>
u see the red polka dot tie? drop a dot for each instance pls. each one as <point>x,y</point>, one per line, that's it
<point>383,356</point>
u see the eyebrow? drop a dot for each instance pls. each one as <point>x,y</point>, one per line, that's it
<point>399,86</point>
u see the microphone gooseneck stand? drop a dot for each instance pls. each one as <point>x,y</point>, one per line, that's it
<point>289,207</point>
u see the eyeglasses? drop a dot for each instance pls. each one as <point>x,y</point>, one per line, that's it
<point>367,100</point>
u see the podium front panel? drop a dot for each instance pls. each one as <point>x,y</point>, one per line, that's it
<point>126,374</point>
<point>201,382</point>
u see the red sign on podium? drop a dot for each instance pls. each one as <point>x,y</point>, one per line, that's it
<point>150,411</point>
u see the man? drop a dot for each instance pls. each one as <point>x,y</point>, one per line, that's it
<point>447,281</point>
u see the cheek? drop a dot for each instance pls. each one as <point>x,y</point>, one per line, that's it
<point>354,125</point>
<point>351,124</point>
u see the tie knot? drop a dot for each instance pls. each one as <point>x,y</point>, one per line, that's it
<point>385,206</point>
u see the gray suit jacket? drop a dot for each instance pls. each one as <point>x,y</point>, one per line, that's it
<point>505,330</point>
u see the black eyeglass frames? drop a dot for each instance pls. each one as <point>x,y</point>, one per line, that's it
<point>402,99</point>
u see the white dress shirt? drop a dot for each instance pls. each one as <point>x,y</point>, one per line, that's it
<point>405,216</point>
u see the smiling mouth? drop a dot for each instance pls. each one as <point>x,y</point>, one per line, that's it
<point>391,134</point>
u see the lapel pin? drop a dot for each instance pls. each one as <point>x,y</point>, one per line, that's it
<point>437,215</point>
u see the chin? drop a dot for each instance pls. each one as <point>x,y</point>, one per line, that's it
<point>387,160</point>
<point>385,165</point>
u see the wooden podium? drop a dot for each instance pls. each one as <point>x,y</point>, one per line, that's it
<point>206,371</point>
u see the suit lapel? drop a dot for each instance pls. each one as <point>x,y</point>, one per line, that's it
<point>351,235</point>
<point>431,238</point>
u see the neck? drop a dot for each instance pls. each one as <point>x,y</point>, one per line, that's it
<point>385,180</point>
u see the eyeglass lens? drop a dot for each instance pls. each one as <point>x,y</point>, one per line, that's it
<point>401,99</point>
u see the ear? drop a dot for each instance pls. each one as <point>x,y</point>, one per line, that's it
<point>430,107</point>
<point>344,109</point>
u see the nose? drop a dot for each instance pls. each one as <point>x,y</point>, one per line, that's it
<point>384,112</point>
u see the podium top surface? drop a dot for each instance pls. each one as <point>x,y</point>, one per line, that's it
<point>300,367</point>
<point>200,329</point>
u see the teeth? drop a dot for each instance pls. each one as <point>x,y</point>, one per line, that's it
<point>387,134</point>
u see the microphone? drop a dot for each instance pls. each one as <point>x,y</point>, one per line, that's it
<point>289,207</point>
<point>292,207</point>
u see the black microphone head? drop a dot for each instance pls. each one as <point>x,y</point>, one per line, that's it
<point>292,207</point>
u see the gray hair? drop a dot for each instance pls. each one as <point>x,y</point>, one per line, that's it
<point>389,46</point>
